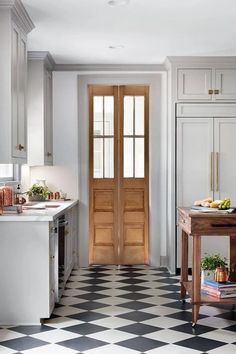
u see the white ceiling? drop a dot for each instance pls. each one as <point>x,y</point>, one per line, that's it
<point>81,31</point>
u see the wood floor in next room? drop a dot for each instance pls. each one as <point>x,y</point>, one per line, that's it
<point>124,310</point>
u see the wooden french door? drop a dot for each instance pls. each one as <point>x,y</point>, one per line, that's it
<point>118,145</point>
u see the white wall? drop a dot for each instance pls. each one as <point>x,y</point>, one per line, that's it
<point>71,170</point>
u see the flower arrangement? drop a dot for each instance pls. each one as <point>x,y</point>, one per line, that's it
<point>38,192</point>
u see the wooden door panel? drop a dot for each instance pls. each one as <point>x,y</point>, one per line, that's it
<point>103,200</point>
<point>133,200</point>
<point>133,254</point>
<point>134,234</point>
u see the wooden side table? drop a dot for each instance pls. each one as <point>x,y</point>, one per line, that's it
<point>195,224</point>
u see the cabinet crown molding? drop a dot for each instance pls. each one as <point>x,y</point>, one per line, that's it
<point>45,56</point>
<point>19,14</point>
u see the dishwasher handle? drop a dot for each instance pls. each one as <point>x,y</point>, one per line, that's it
<point>63,223</point>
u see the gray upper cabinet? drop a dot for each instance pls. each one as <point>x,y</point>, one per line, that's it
<point>206,84</point>
<point>15,24</point>
<point>40,133</point>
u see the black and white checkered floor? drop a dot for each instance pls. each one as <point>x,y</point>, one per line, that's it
<point>124,310</point>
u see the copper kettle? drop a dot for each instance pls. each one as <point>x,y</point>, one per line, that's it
<point>6,197</point>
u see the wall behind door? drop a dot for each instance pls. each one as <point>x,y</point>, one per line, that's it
<point>70,173</point>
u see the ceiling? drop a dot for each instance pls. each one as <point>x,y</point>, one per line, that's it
<point>81,31</point>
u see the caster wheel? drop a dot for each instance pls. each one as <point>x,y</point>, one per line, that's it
<point>183,301</point>
<point>193,324</point>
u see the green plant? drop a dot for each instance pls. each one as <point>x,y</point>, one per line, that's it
<point>211,262</point>
<point>38,190</point>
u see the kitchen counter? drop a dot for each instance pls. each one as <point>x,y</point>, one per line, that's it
<point>50,212</point>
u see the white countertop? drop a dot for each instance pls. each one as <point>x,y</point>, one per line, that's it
<point>49,213</point>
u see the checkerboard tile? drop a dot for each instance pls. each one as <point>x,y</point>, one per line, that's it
<point>124,310</point>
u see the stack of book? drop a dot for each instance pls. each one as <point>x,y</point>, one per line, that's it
<point>220,290</point>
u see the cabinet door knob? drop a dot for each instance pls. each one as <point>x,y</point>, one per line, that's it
<point>49,154</point>
<point>216,92</point>
<point>20,147</point>
<point>210,92</point>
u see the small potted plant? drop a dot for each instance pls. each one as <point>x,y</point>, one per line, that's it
<point>209,263</point>
<point>37,192</point>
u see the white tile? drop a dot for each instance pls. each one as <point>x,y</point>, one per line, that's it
<point>173,349</point>
<point>73,285</point>
<point>160,310</point>
<point>50,349</point>
<point>112,322</point>
<point>4,350</point>
<point>67,311</point>
<point>113,284</point>
<point>61,322</point>
<point>211,311</point>
<point>112,300</point>
<point>156,300</point>
<point>55,335</point>
<point>221,335</point>
<point>153,292</point>
<point>168,336</point>
<point>74,292</point>
<point>79,278</point>
<point>7,334</point>
<point>111,349</point>
<point>113,278</point>
<point>226,349</point>
<point>164,322</point>
<point>112,310</point>
<point>112,292</point>
<point>215,322</point>
<point>69,300</point>
<point>112,336</point>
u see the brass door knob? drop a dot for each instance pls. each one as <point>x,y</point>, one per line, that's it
<point>20,147</point>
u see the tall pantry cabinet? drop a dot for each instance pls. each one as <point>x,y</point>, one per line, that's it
<point>202,131</point>
<point>15,24</point>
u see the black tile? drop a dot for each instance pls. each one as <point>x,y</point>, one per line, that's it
<point>82,343</point>
<point>139,329</point>
<point>132,274</point>
<point>167,280</point>
<point>94,281</point>
<point>132,281</point>
<point>172,287</point>
<point>31,329</point>
<point>23,343</point>
<point>187,328</point>
<point>199,343</point>
<point>178,305</point>
<point>227,315</point>
<point>141,344</point>
<point>85,328</point>
<point>184,316</point>
<point>175,296</point>
<point>137,316</point>
<point>90,305</point>
<point>134,296</point>
<point>135,305</point>
<point>87,316</point>
<point>231,328</point>
<point>132,288</point>
<point>93,288</point>
<point>91,296</point>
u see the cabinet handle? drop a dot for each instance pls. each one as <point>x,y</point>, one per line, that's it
<point>216,92</point>
<point>52,257</point>
<point>54,230</point>
<point>49,154</point>
<point>211,172</point>
<point>217,171</point>
<point>20,147</point>
<point>210,92</point>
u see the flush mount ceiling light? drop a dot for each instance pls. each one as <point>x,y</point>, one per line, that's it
<point>116,47</point>
<point>117,2</point>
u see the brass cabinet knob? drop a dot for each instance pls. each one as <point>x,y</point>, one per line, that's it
<point>210,92</point>
<point>49,154</point>
<point>216,92</point>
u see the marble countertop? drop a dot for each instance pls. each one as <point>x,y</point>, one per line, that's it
<point>41,211</point>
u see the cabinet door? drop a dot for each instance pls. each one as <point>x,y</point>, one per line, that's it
<point>194,84</point>
<point>68,246</point>
<point>19,82</point>
<point>225,154</point>
<point>48,130</point>
<point>194,163</point>
<point>226,84</point>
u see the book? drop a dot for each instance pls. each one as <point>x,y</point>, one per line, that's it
<point>219,294</point>
<point>217,285</point>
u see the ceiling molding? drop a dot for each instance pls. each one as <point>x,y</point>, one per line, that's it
<point>44,56</point>
<point>110,67</point>
<point>19,14</point>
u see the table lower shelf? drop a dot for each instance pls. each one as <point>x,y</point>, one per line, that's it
<point>207,299</point>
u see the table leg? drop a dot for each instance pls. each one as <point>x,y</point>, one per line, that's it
<point>196,280</point>
<point>184,264</point>
<point>232,249</point>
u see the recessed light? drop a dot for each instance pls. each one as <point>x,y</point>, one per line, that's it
<point>116,47</point>
<point>117,2</point>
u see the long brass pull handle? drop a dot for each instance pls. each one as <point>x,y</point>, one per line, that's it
<point>217,171</point>
<point>211,172</point>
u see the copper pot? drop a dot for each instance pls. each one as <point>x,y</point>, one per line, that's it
<point>6,196</point>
